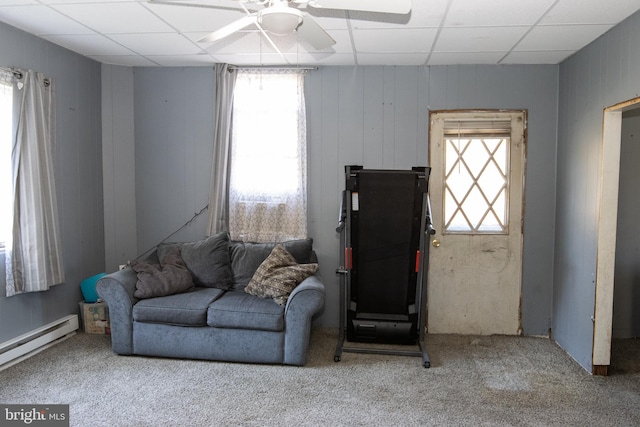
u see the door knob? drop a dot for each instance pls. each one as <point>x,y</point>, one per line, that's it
<point>435,243</point>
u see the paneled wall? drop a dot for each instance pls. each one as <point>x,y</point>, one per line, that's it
<point>78,163</point>
<point>174,115</point>
<point>118,157</point>
<point>601,75</point>
<point>373,116</point>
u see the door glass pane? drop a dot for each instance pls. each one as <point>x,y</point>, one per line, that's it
<point>476,184</point>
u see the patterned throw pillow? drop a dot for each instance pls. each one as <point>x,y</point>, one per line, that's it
<point>278,275</point>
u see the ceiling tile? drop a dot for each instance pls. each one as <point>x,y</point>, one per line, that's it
<point>394,40</point>
<point>465,13</point>
<point>550,37</point>
<point>89,44</point>
<point>392,58</point>
<point>446,58</point>
<point>328,58</point>
<point>590,12</point>
<point>189,19</point>
<point>269,59</point>
<point>40,20</point>
<point>17,2</point>
<point>115,18</point>
<point>542,57</point>
<point>424,14</point>
<point>127,60</point>
<point>51,2</point>
<point>482,39</point>
<point>182,60</point>
<point>157,44</point>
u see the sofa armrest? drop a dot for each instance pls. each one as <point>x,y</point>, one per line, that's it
<point>117,289</point>
<point>306,300</point>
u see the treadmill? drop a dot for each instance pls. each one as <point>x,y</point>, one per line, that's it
<point>384,225</point>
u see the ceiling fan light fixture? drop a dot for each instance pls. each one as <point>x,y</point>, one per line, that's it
<point>280,21</point>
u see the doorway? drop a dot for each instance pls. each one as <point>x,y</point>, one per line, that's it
<point>476,188</point>
<point>607,233</point>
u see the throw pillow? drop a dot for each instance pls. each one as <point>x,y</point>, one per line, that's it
<point>246,257</point>
<point>278,275</point>
<point>207,260</point>
<point>169,277</point>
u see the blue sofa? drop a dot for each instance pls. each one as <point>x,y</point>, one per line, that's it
<point>215,319</point>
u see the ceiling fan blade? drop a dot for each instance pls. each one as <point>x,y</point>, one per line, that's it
<point>380,6</point>
<point>314,34</point>
<point>227,30</point>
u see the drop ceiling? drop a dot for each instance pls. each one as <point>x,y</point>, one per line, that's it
<point>436,32</point>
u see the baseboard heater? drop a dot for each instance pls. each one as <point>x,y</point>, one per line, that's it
<point>33,342</point>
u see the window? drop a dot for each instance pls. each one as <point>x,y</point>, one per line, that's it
<point>476,182</point>
<point>6,122</point>
<point>267,186</point>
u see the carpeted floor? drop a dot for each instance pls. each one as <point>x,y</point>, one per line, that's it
<point>473,381</point>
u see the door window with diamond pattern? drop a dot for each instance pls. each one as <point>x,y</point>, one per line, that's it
<point>476,183</point>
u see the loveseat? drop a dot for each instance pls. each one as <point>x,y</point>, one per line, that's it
<point>216,318</point>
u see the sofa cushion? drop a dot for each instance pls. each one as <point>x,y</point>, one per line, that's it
<point>278,275</point>
<point>207,260</point>
<point>239,310</point>
<point>246,257</point>
<point>169,277</point>
<point>186,309</point>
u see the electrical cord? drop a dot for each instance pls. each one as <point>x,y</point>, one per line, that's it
<point>195,215</point>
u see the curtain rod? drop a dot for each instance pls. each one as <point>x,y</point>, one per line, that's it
<point>19,75</point>
<point>16,73</point>
<point>257,67</point>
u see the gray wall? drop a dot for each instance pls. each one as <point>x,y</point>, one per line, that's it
<point>173,151</point>
<point>118,157</point>
<point>626,302</point>
<point>78,164</point>
<point>374,116</point>
<point>600,75</point>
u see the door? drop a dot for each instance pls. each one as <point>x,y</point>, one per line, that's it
<point>476,190</point>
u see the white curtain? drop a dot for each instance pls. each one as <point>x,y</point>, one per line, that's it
<point>219,194</point>
<point>7,81</point>
<point>268,179</point>
<point>34,250</point>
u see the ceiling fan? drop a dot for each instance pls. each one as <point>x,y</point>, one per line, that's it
<point>283,17</point>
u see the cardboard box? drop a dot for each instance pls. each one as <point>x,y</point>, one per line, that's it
<point>95,318</point>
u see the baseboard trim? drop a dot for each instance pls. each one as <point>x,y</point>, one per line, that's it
<point>33,342</point>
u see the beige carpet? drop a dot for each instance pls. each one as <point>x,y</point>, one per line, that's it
<point>474,381</point>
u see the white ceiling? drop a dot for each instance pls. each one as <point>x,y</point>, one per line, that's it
<point>436,32</point>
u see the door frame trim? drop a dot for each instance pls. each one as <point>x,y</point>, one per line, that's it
<point>607,228</point>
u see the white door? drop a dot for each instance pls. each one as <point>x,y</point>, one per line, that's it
<point>476,191</point>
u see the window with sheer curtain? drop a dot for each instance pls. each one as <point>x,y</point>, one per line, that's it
<point>268,165</point>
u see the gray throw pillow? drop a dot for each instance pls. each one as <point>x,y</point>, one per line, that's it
<point>278,275</point>
<point>169,277</point>
<point>246,257</point>
<point>207,260</point>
